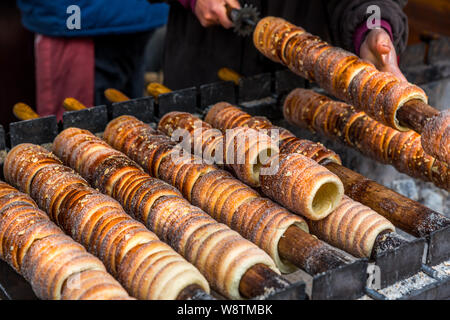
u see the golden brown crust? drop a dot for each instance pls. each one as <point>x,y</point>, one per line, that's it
<point>164,212</point>
<point>339,72</point>
<point>264,222</point>
<point>212,117</point>
<point>28,160</point>
<point>440,174</point>
<point>436,137</point>
<point>243,155</point>
<point>221,195</point>
<point>92,285</point>
<point>337,120</point>
<point>97,220</point>
<point>314,191</point>
<point>42,253</point>
<point>222,115</point>
<point>328,64</point>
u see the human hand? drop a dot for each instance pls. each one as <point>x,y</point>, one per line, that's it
<point>213,12</point>
<point>379,50</point>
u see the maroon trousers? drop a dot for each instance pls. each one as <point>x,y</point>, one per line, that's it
<point>65,67</point>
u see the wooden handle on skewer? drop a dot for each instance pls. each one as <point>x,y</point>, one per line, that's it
<point>259,280</point>
<point>23,111</point>
<point>156,89</point>
<point>403,212</point>
<point>227,74</point>
<point>414,115</point>
<point>72,104</point>
<point>308,253</point>
<point>114,96</point>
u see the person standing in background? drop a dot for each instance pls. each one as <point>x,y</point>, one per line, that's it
<point>84,48</point>
<point>199,40</point>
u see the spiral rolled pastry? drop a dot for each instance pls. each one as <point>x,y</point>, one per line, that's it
<point>272,36</point>
<point>51,261</point>
<point>436,137</point>
<point>172,121</point>
<point>337,120</point>
<point>183,173</point>
<point>341,73</point>
<point>195,136</point>
<point>244,150</point>
<point>257,219</point>
<point>222,196</point>
<point>312,150</point>
<point>190,231</point>
<point>93,285</point>
<point>102,226</point>
<point>225,116</point>
<point>21,172</point>
<point>302,186</point>
<point>352,227</point>
<point>158,154</point>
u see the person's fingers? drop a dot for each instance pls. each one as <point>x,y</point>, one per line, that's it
<point>382,47</point>
<point>387,55</point>
<point>214,12</point>
<point>207,22</point>
<point>368,53</point>
<point>203,11</point>
<point>220,11</point>
<point>377,41</point>
<point>383,43</point>
<point>379,50</point>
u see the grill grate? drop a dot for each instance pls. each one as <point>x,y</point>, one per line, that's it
<point>257,95</point>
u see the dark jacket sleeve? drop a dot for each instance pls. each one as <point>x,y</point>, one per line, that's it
<point>346,16</point>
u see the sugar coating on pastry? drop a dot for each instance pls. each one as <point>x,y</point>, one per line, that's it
<point>436,136</point>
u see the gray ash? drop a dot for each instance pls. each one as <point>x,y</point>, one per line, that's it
<point>407,286</point>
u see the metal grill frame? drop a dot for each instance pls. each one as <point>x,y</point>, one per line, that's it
<point>258,95</point>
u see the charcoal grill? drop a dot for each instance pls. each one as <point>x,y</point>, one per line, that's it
<point>258,95</point>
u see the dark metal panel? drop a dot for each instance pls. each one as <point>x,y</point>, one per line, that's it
<point>37,131</point>
<point>184,100</point>
<point>345,282</point>
<point>286,81</point>
<point>400,263</point>
<point>266,107</point>
<point>213,93</point>
<point>13,286</point>
<point>255,87</point>
<point>439,246</point>
<point>142,108</point>
<point>93,119</point>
